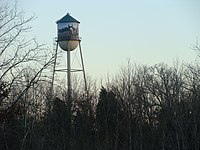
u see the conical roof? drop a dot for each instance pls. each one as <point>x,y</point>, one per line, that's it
<point>67,18</point>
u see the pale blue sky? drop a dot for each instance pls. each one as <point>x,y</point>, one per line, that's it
<point>112,31</point>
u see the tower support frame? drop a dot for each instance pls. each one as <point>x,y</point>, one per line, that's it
<point>69,70</point>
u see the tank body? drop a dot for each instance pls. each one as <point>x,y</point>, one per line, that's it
<point>68,33</point>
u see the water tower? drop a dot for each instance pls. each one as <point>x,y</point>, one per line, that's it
<point>68,40</point>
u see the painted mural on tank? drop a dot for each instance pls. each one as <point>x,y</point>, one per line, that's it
<point>68,31</point>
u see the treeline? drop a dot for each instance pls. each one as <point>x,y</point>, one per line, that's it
<point>145,108</point>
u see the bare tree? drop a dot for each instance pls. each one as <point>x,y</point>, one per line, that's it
<point>17,52</point>
<point>19,55</point>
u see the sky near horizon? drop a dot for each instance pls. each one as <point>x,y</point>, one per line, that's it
<point>145,32</point>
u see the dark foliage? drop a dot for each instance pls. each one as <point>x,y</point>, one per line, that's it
<point>156,108</point>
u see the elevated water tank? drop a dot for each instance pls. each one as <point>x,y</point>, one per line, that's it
<point>68,32</point>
